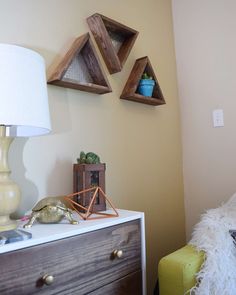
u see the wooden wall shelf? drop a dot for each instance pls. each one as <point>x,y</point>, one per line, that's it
<point>130,90</point>
<point>114,40</point>
<point>81,69</point>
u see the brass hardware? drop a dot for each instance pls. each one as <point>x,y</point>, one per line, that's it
<point>118,253</point>
<point>48,279</point>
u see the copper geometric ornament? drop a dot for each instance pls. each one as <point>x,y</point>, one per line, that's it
<point>90,210</point>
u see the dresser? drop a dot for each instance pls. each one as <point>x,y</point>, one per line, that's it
<point>96,257</point>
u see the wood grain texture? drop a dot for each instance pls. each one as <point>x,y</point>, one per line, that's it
<point>129,285</point>
<point>134,78</point>
<point>129,92</point>
<point>85,48</point>
<point>67,59</point>
<point>79,264</point>
<point>88,87</point>
<point>100,27</point>
<point>93,64</point>
<point>144,99</point>
<point>125,49</point>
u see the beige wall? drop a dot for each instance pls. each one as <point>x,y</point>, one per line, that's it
<point>205,50</point>
<point>139,143</point>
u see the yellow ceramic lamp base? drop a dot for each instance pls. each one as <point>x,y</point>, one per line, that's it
<point>9,191</point>
<point>7,224</point>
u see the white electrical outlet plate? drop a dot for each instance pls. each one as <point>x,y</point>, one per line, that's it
<point>218,118</point>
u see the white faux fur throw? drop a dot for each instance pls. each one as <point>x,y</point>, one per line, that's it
<point>218,273</point>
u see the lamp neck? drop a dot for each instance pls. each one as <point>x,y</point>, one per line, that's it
<point>2,130</point>
<point>4,148</point>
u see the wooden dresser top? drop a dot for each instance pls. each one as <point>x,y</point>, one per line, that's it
<point>43,233</point>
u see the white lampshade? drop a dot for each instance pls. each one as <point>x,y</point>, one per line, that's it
<point>23,92</point>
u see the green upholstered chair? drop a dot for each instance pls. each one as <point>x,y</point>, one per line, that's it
<point>176,271</point>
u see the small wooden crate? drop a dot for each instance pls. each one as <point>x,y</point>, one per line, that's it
<point>86,176</point>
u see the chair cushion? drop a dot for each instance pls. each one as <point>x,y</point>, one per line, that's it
<point>177,270</point>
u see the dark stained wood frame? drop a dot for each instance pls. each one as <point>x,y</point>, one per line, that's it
<point>100,27</point>
<point>84,46</point>
<point>82,181</point>
<point>130,90</point>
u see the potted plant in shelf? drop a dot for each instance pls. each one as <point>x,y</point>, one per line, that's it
<point>146,85</point>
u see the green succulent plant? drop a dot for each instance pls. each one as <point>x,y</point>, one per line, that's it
<point>146,76</point>
<point>89,158</point>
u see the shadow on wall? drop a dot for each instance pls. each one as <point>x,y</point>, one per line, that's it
<point>29,191</point>
<point>60,181</point>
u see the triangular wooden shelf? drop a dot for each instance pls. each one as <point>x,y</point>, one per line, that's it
<point>114,40</point>
<point>130,90</point>
<point>80,69</point>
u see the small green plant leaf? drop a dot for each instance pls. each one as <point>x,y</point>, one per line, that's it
<point>146,76</point>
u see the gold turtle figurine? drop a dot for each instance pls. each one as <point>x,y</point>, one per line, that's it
<point>50,210</point>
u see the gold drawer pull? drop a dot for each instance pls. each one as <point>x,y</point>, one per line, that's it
<point>118,253</point>
<point>48,279</point>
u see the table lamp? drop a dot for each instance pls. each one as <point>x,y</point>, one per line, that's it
<point>23,112</point>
